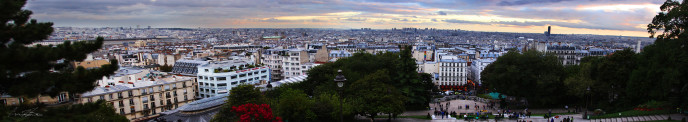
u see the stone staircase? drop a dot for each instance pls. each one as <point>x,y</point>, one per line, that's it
<point>633,118</point>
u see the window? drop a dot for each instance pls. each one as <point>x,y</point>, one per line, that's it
<point>206,70</point>
<point>102,97</point>
<point>132,110</point>
<point>121,111</point>
<point>152,97</point>
<point>131,102</point>
<point>131,93</point>
<point>222,78</point>
<point>121,103</point>
<point>119,95</point>
<point>167,87</point>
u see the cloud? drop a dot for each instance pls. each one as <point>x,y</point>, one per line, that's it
<point>355,19</point>
<point>441,13</point>
<point>524,2</point>
<point>584,14</point>
<point>463,21</point>
<point>273,20</point>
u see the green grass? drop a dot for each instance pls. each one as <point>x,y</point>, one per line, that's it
<point>631,113</point>
<point>415,117</point>
<point>485,96</point>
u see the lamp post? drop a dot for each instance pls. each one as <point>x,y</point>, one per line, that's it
<point>587,91</point>
<point>269,86</point>
<point>340,79</point>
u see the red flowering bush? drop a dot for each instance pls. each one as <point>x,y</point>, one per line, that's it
<point>255,113</point>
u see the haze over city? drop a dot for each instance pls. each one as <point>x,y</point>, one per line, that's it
<point>601,17</point>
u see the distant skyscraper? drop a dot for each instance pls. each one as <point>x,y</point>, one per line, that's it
<point>549,31</point>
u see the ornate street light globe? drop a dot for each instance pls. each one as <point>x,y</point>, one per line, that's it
<point>269,86</point>
<point>340,79</point>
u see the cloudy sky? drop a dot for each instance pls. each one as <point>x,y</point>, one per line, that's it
<point>606,17</point>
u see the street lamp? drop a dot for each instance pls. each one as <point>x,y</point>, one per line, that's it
<point>587,92</point>
<point>269,86</point>
<point>340,79</point>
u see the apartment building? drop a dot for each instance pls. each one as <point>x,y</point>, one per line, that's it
<point>145,98</point>
<point>477,66</point>
<point>217,78</point>
<point>291,66</point>
<point>452,71</point>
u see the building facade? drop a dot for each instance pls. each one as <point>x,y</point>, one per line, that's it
<point>145,98</point>
<point>217,78</point>
<point>452,72</point>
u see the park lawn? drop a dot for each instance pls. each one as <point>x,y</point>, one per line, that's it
<point>631,113</point>
<point>415,117</point>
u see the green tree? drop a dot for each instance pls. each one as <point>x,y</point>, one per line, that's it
<point>371,96</point>
<point>536,76</point>
<point>30,71</point>
<point>401,65</point>
<point>662,66</point>
<point>165,68</point>
<point>99,111</point>
<point>239,95</point>
<point>294,105</point>
<point>671,21</point>
<point>327,107</point>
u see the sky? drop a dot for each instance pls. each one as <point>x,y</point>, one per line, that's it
<point>602,17</point>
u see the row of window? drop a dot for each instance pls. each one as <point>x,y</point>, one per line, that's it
<point>452,69</point>
<point>232,77</point>
<point>452,64</point>
<point>143,91</point>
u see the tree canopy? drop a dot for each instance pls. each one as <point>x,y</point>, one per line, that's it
<point>29,71</point>
<point>532,75</point>
<point>400,67</point>
<point>40,69</point>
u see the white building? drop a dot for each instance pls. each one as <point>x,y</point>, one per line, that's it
<point>452,71</point>
<point>291,66</point>
<point>144,98</point>
<point>124,75</point>
<point>220,77</point>
<point>339,54</point>
<point>477,66</point>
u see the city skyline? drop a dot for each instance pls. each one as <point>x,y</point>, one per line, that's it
<point>601,17</point>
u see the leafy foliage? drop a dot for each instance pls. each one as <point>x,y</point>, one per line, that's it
<point>240,95</point>
<point>165,68</point>
<point>371,96</point>
<point>99,111</point>
<point>255,113</point>
<point>413,85</point>
<point>45,70</point>
<point>30,71</point>
<point>672,21</point>
<point>294,105</point>
<point>532,75</point>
